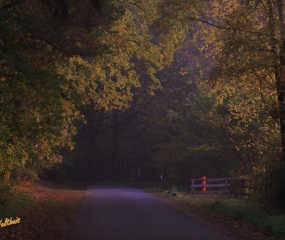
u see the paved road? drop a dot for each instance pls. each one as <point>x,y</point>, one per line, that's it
<point>130,214</point>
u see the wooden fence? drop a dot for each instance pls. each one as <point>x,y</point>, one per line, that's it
<point>229,186</point>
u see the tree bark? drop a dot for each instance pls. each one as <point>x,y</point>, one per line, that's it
<point>277,27</point>
<point>279,74</point>
<point>115,144</point>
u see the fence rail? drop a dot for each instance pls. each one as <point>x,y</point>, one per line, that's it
<point>229,186</point>
<point>203,185</point>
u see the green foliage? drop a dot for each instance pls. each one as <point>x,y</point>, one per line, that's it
<point>114,9</point>
<point>28,95</point>
<point>34,117</point>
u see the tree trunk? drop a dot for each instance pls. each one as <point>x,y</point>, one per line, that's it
<point>115,145</point>
<point>278,27</point>
<point>280,76</point>
<point>281,104</point>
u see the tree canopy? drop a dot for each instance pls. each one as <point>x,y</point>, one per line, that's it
<point>151,88</point>
<point>57,56</point>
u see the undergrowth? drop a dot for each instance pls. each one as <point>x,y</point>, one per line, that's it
<point>12,201</point>
<point>250,213</point>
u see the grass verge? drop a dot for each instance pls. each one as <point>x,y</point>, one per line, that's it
<point>247,211</point>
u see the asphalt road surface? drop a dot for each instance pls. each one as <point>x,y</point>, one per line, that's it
<point>118,213</point>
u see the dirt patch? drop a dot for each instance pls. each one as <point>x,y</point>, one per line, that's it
<point>235,229</point>
<point>51,214</point>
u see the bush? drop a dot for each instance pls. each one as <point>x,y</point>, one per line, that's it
<point>24,174</point>
<point>276,224</point>
<point>217,205</point>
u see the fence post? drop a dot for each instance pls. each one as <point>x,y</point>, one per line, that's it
<point>192,185</point>
<point>188,187</point>
<point>227,187</point>
<point>204,182</point>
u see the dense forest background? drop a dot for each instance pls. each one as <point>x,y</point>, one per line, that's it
<point>146,90</point>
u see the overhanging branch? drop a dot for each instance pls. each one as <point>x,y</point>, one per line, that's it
<point>12,4</point>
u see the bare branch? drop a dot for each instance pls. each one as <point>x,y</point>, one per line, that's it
<point>226,27</point>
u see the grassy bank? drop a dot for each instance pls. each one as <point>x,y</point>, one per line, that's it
<point>250,212</point>
<point>12,200</point>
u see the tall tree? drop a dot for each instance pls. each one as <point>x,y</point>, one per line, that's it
<point>244,41</point>
<point>80,54</point>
